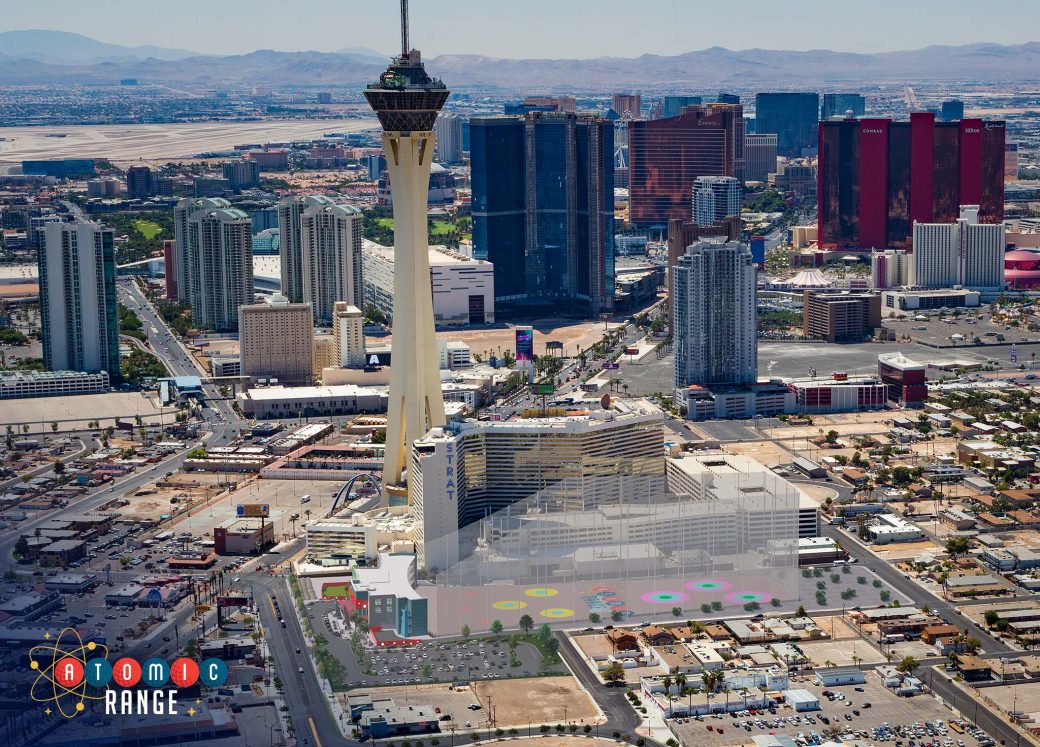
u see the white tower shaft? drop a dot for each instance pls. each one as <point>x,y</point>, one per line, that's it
<point>416,403</point>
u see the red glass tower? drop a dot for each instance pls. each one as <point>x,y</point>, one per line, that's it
<point>877,177</point>
<point>667,155</point>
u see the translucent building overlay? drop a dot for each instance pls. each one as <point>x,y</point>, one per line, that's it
<point>625,544</point>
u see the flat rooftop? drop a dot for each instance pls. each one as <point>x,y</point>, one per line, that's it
<point>391,577</point>
<point>439,254</point>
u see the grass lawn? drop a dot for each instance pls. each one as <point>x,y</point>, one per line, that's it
<point>385,222</point>
<point>147,228</point>
<point>441,228</point>
<point>334,590</point>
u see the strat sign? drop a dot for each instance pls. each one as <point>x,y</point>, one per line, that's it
<point>449,470</point>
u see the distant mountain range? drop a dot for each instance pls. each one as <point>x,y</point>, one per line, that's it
<point>66,48</point>
<point>38,57</point>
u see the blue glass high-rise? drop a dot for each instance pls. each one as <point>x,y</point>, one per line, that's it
<point>543,211</point>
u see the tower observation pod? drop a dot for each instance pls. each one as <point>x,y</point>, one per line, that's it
<point>407,101</point>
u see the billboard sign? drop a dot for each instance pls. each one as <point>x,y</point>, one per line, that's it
<point>611,366</point>
<point>252,510</point>
<point>524,344</point>
<point>543,388</point>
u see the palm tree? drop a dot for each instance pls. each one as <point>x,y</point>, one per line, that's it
<point>292,520</point>
<point>667,682</point>
<point>711,681</point>
<point>680,683</point>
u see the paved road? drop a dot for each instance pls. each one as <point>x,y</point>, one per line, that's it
<point>993,723</point>
<point>611,700</point>
<point>166,345</point>
<point>308,703</point>
<point>913,591</point>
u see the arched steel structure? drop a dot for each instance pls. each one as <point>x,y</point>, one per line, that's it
<point>348,486</point>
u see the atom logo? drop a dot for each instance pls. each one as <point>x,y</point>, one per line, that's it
<point>64,678</point>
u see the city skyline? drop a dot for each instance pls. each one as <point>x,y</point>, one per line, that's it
<point>456,27</point>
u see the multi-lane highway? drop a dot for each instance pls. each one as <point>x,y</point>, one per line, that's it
<point>308,703</point>
<point>169,349</point>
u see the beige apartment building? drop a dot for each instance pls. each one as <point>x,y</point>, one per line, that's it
<point>348,330</point>
<point>276,340</point>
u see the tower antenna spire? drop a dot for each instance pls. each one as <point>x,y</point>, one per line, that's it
<point>404,28</point>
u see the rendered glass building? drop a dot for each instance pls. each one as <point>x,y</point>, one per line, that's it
<point>952,110</point>
<point>838,104</point>
<point>792,117</point>
<point>672,106</point>
<point>877,177</point>
<point>667,155</point>
<point>543,210</point>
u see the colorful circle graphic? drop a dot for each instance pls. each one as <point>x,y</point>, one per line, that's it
<point>602,590</point>
<point>557,612</point>
<point>664,597</point>
<point>743,597</point>
<point>541,592</point>
<point>61,674</point>
<point>707,585</point>
<point>509,604</point>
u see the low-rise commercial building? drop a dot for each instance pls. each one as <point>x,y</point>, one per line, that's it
<point>761,399</point>
<point>385,597</point>
<point>386,719</point>
<point>32,606</point>
<point>291,402</point>
<point>896,302</point>
<point>16,384</point>
<point>906,379</point>
<point>61,553</point>
<point>243,536</point>
<point>975,586</point>
<point>71,583</point>
<point>341,541</point>
<point>888,528</point>
<point>463,287</point>
<point>840,393</point>
<point>838,676</point>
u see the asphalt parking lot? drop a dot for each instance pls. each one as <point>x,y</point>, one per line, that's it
<point>788,360</point>
<point>970,323</point>
<point>435,661</point>
<point>888,720</point>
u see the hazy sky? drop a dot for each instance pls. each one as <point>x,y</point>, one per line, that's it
<point>536,28</point>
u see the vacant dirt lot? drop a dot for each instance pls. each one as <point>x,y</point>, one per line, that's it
<point>547,700</point>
